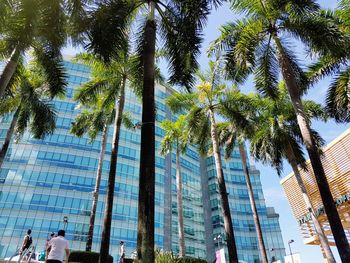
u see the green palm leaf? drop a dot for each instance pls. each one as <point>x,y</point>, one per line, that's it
<point>338,99</point>
<point>112,16</point>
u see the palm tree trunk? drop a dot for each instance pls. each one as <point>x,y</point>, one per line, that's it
<point>8,72</point>
<point>106,231</point>
<point>321,179</point>
<point>182,251</point>
<point>230,239</point>
<point>253,205</point>
<point>323,239</point>
<point>8,137</point>
<point>97,188</point>
<point>145,227</point>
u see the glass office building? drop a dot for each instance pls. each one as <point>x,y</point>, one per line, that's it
<point>43,181</point>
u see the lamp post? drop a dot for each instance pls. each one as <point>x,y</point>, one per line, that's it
<point>217,238</point>
<point>65,222</point>
<point>290,249</point>
<point>273,259</point>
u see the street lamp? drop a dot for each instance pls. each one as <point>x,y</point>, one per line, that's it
<point>138,125</point>
<point>290,249</point>
<point>217,238</point>
<point>273,258</point>
<point>65,222</point>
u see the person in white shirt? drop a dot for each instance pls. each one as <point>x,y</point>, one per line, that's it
<point>121,252</point>
<point>57,247</point>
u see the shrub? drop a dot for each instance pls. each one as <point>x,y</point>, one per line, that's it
<point>191,260</point>
<point>86,257</point>
<point>165,257</point>
<point>169,257</point>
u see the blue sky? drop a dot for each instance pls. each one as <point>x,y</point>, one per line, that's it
<point>274,194</point>
<point>273,191</point>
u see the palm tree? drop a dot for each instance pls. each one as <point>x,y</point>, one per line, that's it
<point>180,25</point>
<point>93,122</point>
<point>27,100</point>
<point>176,135</point>
<point>238,109</point>
<point>36,25</point>
<point>109,80</point>
<point>202,106</point>
<point>256,45</point>
<point>277,136</point>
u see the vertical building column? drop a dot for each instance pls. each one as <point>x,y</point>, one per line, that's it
<point>209,242</point>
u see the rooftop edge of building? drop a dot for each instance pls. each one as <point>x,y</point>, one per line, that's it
<point>329,145</point>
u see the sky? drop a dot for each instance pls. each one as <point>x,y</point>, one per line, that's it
<point>274,194</point>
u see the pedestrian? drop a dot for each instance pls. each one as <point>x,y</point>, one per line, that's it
<point>121,252</point>
<point>47,250</point>
<point>27,242</point>
<point>57,247</point>
<point>52,235</point>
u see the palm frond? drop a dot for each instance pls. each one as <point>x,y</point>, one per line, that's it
<point>249,7</point>
<point>127,121</point>
<point>320,32</point>
<point>166,145</point>
<point>136,61</point>
<point>199,126</point>
<point>299,74</point>
<point>89,91</point>
<point>52,65</point>
<point>227,137</point>
<point>315,110</point>
<point>325,66</point>
<point>78,22</point>
<point>266,71</point>
<point>297,7</point>
<point>338,100</point>
<point>52,24</point>
<point>22,121</point>
<point>182,24</point>
<point>238,43</point>
<point>179,102</point>
<point>110,16</point>
<point>20,29</point>
<point>81,123</point>
<point>43,119</point>
<point>265,149</point>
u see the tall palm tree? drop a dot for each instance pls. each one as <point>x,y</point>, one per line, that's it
<point>202,106</point>
<point>180,24</point>
<point>28,102</point>
<point>256,44</point>
<point>109,80</point>
<point>36,25</point>
<point>238,109</point>
<point>93,122</point>
<point>176,136</point>
<point>277,136</point>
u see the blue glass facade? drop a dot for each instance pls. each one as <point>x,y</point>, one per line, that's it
<point>44,180</point>
<point>242,216</point>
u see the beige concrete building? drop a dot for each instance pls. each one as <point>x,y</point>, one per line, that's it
<point>336,162</point>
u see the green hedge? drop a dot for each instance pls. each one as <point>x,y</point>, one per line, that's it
<point>86,257</point>
<point>191,260</point>
<point>169,257</point>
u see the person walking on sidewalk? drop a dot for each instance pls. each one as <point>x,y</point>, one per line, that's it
<point>121,252</point>
<point>27,242</point>
<point>57,247</point>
